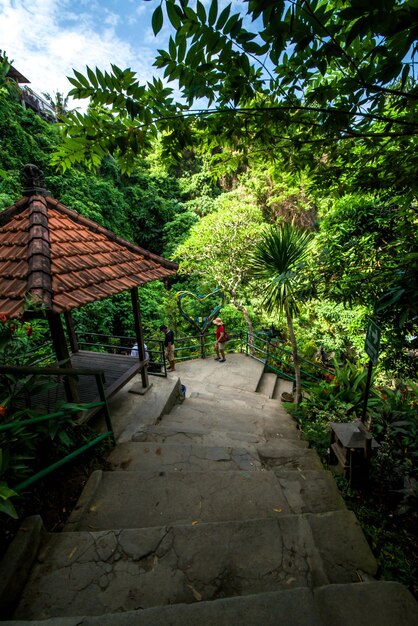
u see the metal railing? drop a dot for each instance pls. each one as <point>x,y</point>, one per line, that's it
<point>260,345</point>
<point>34,101</point>
<point>278,359</point>
<point>121,344</point>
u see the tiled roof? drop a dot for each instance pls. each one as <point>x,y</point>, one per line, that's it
<point>65,260</point>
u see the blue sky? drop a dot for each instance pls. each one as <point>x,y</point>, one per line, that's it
<point>46,39</point>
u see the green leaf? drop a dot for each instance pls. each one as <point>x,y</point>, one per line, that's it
<point>405,74</point>
<point>157,20</point>
<point>223,17</point>
<point>173,16</point>
<point>6,492</point>
<point>7,507</point>
<point>82,79</point>
<point>172,49</point>
<point>181,48</point>
<point>213,12</point>
<point>201,12</point>
<point>92,77</point>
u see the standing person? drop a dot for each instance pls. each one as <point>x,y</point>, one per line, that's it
<point>169,346</point>
<point>135,352</point>
<point>220,340</point>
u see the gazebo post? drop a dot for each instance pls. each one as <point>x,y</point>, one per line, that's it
<point>138,334</point>
<point>61,350</point>
<point>71,332</point>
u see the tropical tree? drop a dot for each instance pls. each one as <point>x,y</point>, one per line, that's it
<point>278,260</point>
<point>297,79</point>
<point>58,102</point>
<point>217,246</point>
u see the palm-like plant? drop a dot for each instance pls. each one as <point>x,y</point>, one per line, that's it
<point>58,102</point>
<point>278,260</point>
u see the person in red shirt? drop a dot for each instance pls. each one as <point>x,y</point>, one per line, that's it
<point>220,340</point>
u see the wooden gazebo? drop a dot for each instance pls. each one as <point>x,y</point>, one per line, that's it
<point>56,260</point>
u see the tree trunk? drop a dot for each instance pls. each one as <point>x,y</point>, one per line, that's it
<point>298,386</point>
<point>241,308</point>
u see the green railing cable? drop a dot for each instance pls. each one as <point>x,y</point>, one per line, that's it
<point>48,470</point>
<point>65,371</point>
<point>45,418</point>
<point>271,360</point>
<point>67,411</point>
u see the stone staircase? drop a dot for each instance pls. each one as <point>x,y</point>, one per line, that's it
<point>215,514</point>
<point>272,386</point>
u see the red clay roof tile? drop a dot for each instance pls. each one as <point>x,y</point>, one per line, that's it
<point>66,260</point>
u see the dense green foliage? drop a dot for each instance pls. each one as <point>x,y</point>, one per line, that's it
<point>323,84</point>
<point>278,261</point>
<point>324,138</point>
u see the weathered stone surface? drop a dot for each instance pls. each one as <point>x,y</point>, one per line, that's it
<point>103,572</point>
<point>134,456</point>
<point>220,516</point>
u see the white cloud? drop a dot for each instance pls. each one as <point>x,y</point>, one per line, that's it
<point>46,39</point>
<point>111,18</point>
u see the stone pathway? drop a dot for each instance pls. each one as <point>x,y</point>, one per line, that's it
<point>215,514</point>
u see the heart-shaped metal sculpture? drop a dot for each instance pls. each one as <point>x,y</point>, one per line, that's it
<point>201,323</point>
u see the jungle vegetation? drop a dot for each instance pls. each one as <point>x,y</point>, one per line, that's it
<point>296,113</point>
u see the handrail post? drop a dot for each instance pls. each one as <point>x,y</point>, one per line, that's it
<point>139,336</point>
<point>202,346</point>
<point>100,385</point>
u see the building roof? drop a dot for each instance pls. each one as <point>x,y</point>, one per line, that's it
<point>62,260</point>
<point>17,76</point>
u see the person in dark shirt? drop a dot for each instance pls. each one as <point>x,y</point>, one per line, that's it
<point>169,346</point>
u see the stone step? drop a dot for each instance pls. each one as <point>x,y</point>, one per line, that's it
<point>239,399</point>
<point>133,410</point>
<point>279,453</point>
<point>134,456</point>
<point>238,373</point>
<point>141,499</point>
<point>267,384</point>
<point>236,414</point>
<point>223,413</point>
<point>354,604</point>
<point>196,421</point>
<point>94,573</point>
<point>268,441</point>
<point>198,436</point>
<point>281,387</point>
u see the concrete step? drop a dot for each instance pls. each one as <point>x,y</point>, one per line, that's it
<point>280,453</point>
<point>212,412</point>
<point>131,410</point>
<point>282,386</point>
<point>94,573</point>
<point>238,399</point>
<point>182,431</point>
<point>197,419</point>
<point>185,434</point>
<point>353,604</point>
<point>267,384</point>
<point>134,456</point>
<point>141,499</point>
<point>238,373</point>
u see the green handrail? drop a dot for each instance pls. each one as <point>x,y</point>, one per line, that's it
<point>66,371</point>
<point>45,418</point>
<point>60,371</point>
<point>48,470</point>
<point>271,360</point>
